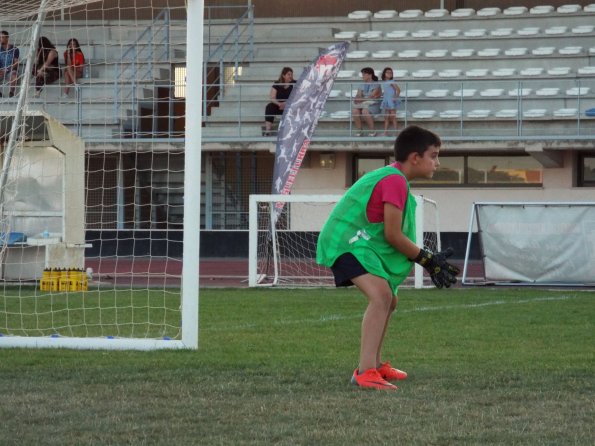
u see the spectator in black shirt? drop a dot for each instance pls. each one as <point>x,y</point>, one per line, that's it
<point>279,94</point>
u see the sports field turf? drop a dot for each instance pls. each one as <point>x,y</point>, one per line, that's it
<point>486,366</point>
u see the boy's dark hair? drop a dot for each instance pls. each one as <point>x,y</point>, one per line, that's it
<point>4,33</point>
<point>414,139</point>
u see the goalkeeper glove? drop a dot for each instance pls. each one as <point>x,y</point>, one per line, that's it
<point>441,272</point>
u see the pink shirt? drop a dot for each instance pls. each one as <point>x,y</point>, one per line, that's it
<point>391,189</point>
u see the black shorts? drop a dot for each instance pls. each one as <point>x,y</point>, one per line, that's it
<point>345,268</point>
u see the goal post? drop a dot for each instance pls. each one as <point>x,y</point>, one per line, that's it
<point>532,243</point>
<point>99,239</point>
<point>284,255</point>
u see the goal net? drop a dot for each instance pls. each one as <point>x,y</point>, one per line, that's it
<point>284,255</point>
<point>533,243</point>
<point>94,252</point>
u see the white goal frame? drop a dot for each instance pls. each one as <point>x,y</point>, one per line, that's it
<point>192,182</point>
<point>420,277</point>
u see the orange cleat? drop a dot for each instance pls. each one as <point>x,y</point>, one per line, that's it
<point>371,379</point>
<point>389,373</point>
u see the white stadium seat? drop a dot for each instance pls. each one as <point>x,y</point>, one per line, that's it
<point>592,50</point>
<point>558,71</point>
<point>501,32</point>
<point>548,91</point>
<point>537,71</point>
<point>334,93</point>
<point>435,13</point>
<point>385,14</point>
<point>569,9</point>
<point>543,9</point>
<point>357,54</point>
<point>586,70</point>
<point>553,30</point>
<point>475,32</point>
<point>543,51</point>
<point>565,112</point>
<point>465,92</point>
<point>370,35</point>
<point>535,113</point>
<point>489,52</point>
<point>422,33</point>
<point>346,35</point>
<point>488,12</point>
<point>411,13</point>
<point>383,54</point>
<point>492,92</point>
<point>528,31</point>
<point>410,93</point>
<point>578,91</point>
<point>449,33</point>
<point>341,114</point>
<point>423,73</point>
<point>503,72</point>
<point>437,93</point>
<point>436,53</point>
<point>345,74</point>
<point>589,8</point>
<point>463,52</point>
<point>359,15</point>
<point>507,113</point>
<point>424,114</point>
<point>583,29</point>
<point>451,73</point>
<point>479,113</point>
<point>451,114</point>
<point>463,12</point>
<point>397,34</point>
<point>352,93</point>
<point>515,10</point>
<point>516,92</point>
<point>516,51</point>
<point>400,73</point>
<point>476,72</point>
<point>409,53</point>
<point>571,50</point>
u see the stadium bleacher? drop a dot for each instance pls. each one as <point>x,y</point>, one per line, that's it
<point>472,51</point>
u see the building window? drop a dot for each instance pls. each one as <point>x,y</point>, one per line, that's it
<point>493,170</point>
<point>586,173</point>
<point>365,164</point>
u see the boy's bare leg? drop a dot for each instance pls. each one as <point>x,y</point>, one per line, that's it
<point>393,306</point>
<point>380,298</point>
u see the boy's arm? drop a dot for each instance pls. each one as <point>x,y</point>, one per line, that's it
<point>393,233</point>
<point>441,272</point>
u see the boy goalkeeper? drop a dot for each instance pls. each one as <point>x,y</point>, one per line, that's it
<point>369,241</point>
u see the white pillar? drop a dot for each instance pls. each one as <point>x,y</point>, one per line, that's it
<point>192,166</point>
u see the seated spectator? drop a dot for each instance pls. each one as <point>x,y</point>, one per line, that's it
<point>9,63</point>
<point>279,94</point>
<point>46,68</point>
<point>366,102</point>
<point>75,62</point>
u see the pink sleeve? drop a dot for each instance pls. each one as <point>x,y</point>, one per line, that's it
<point>391,189</point>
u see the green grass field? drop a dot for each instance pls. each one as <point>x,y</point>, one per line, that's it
<point>486,366</point>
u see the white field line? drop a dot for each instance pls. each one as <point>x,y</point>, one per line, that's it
<point>339,317</point>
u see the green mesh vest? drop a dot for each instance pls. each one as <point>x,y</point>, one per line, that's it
<point>348,230</point>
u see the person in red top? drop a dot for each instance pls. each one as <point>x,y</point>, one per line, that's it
<point>75,61</point>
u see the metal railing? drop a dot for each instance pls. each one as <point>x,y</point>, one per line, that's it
<point>233,50</point>
<point>137,63</point>
<point>551,108</point>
